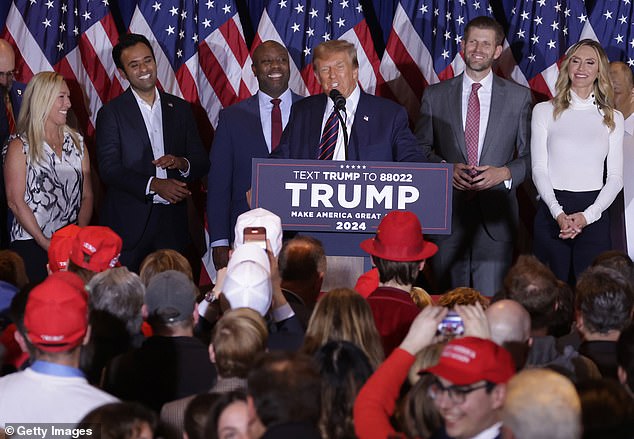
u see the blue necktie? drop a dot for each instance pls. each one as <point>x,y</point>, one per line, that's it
<point>329,137</point>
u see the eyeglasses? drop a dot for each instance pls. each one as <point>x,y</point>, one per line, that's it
<point>457,394</point>
<point>9,75</point>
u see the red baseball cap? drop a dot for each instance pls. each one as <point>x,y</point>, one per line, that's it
<point>59,250</point>
<point>400,238</point>
<point>96,248</point>
<point>468,360</point>
<point>56,314</point>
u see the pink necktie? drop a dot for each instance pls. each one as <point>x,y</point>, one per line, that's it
<point>276,123</point>
<point>472,125</point>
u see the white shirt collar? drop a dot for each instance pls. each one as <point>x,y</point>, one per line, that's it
<point>139,99</point>
<point>490,433</point>
<point>265,99</point>
<point>486,82</point>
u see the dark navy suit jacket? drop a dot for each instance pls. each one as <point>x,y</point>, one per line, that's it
<point>124,154</point>
<point>379,132</point>
<point>237,140</point>
<point>15,96</point>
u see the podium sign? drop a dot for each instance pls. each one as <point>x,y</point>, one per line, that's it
<point>335,196</point>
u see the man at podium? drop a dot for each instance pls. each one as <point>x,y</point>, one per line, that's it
<point>345,123</point>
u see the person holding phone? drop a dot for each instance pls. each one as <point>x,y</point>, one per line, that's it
<point>575,136</point>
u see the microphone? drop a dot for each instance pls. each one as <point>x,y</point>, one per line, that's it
<point>340,105</point>
<point>338,99</point>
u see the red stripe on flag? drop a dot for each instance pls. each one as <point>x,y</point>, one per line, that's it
<point>24,73</point>
<point>309,79</point>
<point>406,65</point>
<point>110,27</point>
<point>365,38</point>
<point>447,73</point>
<point>93,68</point>
<point>540,89</point>
<point>235,41</point>
<point>187,84</point>
<point>216,75</point>
<point>77,97</point>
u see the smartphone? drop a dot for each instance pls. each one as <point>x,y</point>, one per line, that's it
<point>452,325</point>
<point>256,235</point>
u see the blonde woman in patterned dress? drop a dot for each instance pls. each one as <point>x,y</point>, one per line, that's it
<point>46,171</point>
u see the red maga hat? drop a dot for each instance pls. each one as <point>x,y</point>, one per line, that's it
<point>468,360</point>
<point>400,238</point>
<point>61,244</point>
<point>96,248</point>
<point>56,314</point>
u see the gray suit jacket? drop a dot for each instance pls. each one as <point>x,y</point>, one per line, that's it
<point>506,143</point>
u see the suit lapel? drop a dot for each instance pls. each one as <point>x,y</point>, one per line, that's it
<point>253,109</point>
<point>167,114</point>
<point>498,93</point>
<point>136,120</point>
<point>314,122</point>
<point>455,101</point>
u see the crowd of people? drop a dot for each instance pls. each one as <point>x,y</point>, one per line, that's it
<point>104,326</point>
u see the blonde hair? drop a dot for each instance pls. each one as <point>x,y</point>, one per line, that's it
<point>344,315</point>
<point>602,87</point>
<point>39,97</point>
<point>238,337</point>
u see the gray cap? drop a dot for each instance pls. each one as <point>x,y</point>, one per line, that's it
<point>170,297</point>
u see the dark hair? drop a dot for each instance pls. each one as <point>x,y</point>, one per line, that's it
<point>223,400</point>
<point>285,387</point>
<point>301,258</point>
<point>607,410</point>
<point>344,369</point>
<point>125,41</point>
<point>197,414</point>
<point>534,286</point>
<point>616,260</point>
<point>419,417</point>
<point>484,22</point>
<point>625,354</point>
<point>119,420</point>
<point>604,299</point>
<point>405,273</point>
<point>12,268</point>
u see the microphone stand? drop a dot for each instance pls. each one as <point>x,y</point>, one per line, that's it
<point>340,104</point>
<point>342,122</point>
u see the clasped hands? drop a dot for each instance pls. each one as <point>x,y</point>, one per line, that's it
<point>571,225</point>
<point>170,189</point>
<point>478,178</point>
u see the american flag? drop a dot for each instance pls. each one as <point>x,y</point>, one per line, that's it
<point>300,25</point>
<point>611,21</point>
<point>540,32</point>
<point>424,45</point>
<point>201,53</point>
<point>74,38</point>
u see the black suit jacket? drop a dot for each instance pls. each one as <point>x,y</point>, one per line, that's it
<point>124,154</point>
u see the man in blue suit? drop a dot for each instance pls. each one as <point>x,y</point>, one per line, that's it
<point>11,100</point>
<point>246,130</point>
<point>378,127</point>
<point>148,148</point>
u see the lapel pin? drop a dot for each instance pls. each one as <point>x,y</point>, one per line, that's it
<point>366,118</point>
<point>169,104</point>
<point>19,92</point>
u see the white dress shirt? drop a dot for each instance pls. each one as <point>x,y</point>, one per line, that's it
<point>265,112</point>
